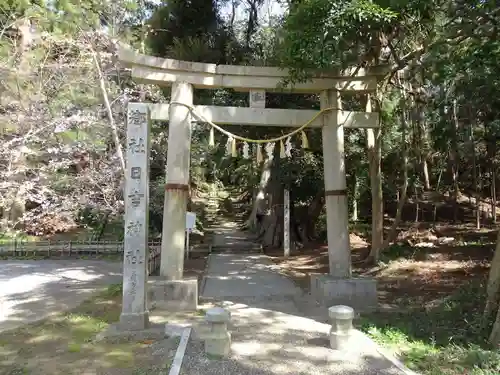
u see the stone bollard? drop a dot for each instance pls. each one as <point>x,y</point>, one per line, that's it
<point>217,339</point>
<point>341,319</point>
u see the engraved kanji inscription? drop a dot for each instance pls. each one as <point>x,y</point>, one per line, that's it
<point>135,173</point>
<point>137,146</point>
<point>134,257</point>
<point>135,198</point>
<point>133,283</point>
<point>258,96</point>
<point>136,117</point>
<point>134,228</point>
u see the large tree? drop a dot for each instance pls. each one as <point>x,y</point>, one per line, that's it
<point>443,55</point>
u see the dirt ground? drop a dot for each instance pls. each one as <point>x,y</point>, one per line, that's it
<point>65,345</point>
<point>408,275</point>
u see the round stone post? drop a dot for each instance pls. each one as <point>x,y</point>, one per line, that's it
<point>337,221</point>
<point>218,339</point>
<point>341,320</point>
<point>177,183</point>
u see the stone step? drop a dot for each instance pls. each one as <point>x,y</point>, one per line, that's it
<point>239,247</point>
<point>218,249</point>
<point>231,250</point>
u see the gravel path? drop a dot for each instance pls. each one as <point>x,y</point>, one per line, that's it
<point>272,332</point>
<point>31,290</point>
<point>240,276</point>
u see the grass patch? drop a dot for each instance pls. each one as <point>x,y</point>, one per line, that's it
<point>65,345</point>
<point>7,238</point>
<point>449,338</point>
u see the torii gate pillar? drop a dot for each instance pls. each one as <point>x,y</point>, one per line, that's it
<point>338,287</point>
<point>339,253</point>
<point>170,290</point>
<point>176,183</point>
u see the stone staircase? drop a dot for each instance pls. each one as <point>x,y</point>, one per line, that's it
<point>223,219</point>
<point>224,227</point>
<point>242,246</point>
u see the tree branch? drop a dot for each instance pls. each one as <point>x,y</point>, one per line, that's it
<point>104,92</point>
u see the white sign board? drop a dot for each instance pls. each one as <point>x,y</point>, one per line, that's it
<point>190,221</point>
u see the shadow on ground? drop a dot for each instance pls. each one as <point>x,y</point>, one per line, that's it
<point>269,341</point>
<point>33,290</point>
<point>272,327</point>
<point>64,344</point>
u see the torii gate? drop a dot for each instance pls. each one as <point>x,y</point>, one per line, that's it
<point>184,77</point>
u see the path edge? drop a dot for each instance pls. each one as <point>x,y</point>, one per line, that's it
<point>387,355</point>
<point>176,366</point>
<point>204,277</point>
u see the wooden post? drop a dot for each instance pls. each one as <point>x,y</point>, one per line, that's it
<point>339,252</point>
<point>177,183</point>
<point>286,222</point>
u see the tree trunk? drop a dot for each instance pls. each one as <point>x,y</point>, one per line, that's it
<point>493,295</point>
<point>355,197</point>
<point>392,232</point>
<point>308,221</point>
<point>417,204</point>
<point>495,331</point>
<point>25,39</point>
<point>479,207</point>
<point>491,150</point>
<point>424,154</point>
<point>373,142</point>
<point>493,286</point>
<point>474,170</point>
<point>272,225</point>
<point>260,197</point>
<point>454,160</point>
<point>437,191</point>
<point>302,219</point>
<point>423,148</point>
<point>493,195</point>
<point>112,124</point>
<point>425,169</point>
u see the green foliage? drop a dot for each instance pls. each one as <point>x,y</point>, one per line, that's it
<point>326,33</point>
<point>191,30</point>
<point>450,338</point>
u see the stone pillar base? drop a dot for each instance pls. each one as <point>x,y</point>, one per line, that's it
<point>134,322</point>
<point>173,295</point>
<point>358,293</point>
<point>219,346</point>
<point>118,333</point>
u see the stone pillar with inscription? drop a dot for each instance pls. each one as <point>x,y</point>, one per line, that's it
<point>134,314</point>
